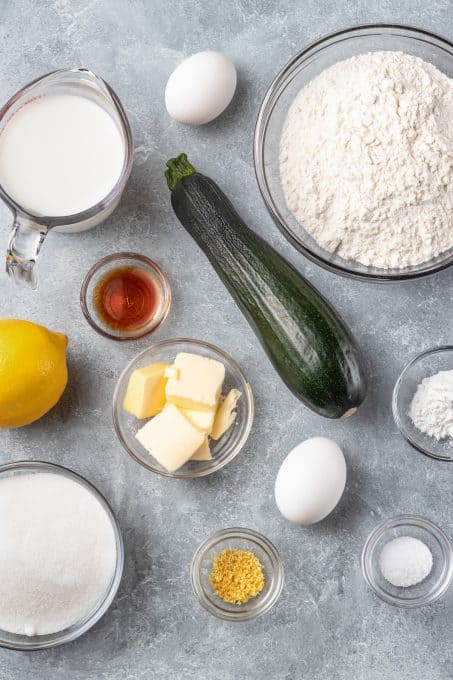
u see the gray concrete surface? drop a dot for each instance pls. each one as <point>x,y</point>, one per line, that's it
<point>326,624</point>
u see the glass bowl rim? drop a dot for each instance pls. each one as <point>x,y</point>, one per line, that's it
<point>248,396</point>
<point>277,570</point>
<point>104,605</point>
<point>261,124</point>
<point>408,520</point>
<point>159,274</point>
<point>395,394</point>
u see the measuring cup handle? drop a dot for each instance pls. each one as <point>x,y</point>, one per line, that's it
<point>24,244</point>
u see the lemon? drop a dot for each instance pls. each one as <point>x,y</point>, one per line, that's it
<point>33,371</point>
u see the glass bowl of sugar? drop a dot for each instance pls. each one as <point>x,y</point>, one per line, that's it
<point>61,555</point>
<point>304,67</point>
<point>416,557</point>
<point>422,402</point>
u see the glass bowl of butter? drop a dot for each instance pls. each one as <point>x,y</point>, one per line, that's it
<point>183,408</point>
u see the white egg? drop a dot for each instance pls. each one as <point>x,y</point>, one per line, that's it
<point>200,88</point>
<point>310,481</point>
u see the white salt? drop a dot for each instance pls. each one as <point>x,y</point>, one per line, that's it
<point>405,561</point>
<point>57,553</point>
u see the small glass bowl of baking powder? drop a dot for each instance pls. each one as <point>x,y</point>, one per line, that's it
<point>424,365</point>
<point>426,591</point>
<point>242,539</point>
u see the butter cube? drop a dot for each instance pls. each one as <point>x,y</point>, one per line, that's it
<point>226,415</point>
<point>171,372</point>
<point>203,420</point>
<point>170,438</point>
<point>198,382</point>
<point>145,395</point>
<point>204,452</point>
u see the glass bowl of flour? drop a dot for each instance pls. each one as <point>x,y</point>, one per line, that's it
<point>352,146</point>
<point>423,403</point>
<point>61,555</point>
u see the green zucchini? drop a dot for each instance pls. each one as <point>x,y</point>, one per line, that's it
<point>307,342</point>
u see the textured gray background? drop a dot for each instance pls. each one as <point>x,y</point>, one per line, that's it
<point>326,624</point>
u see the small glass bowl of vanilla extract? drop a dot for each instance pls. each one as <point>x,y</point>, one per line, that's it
<point>125,296</point>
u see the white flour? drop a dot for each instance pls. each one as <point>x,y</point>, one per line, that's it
<point>57,553</point>
<point>431,409</point>
<point>366,159</point>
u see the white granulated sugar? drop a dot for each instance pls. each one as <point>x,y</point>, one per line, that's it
<point>57,553</point>
<point>431,409</point>
<point>366,159</point>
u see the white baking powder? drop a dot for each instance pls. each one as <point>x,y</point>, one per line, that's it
<point>366,159</point>
<point>57,553</point>
<point>431,409</point>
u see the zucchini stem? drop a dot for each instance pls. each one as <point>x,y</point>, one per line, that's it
<point>177,169</point>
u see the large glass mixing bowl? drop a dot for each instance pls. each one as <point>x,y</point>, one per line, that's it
<point>294,76</point>
<point>28,643</point>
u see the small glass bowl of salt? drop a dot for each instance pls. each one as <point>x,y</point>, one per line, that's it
<point>426,382</point>
<point>408,561</point>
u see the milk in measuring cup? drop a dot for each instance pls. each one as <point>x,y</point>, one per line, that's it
<point>60,154</point>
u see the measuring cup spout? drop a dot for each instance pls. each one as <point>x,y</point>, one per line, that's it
<point>25,242</point>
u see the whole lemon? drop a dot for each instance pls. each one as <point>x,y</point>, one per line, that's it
<point>33,371</point>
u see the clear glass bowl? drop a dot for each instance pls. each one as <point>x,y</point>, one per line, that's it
<point>425,364</point>
<point>305,66</point>
<point>433,586</point>
<point>223,450</point>
<point>243,539</point>
<point>109,263</point>
<point>32,643</point>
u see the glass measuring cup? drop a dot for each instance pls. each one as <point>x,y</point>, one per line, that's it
<point>29,230</point>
